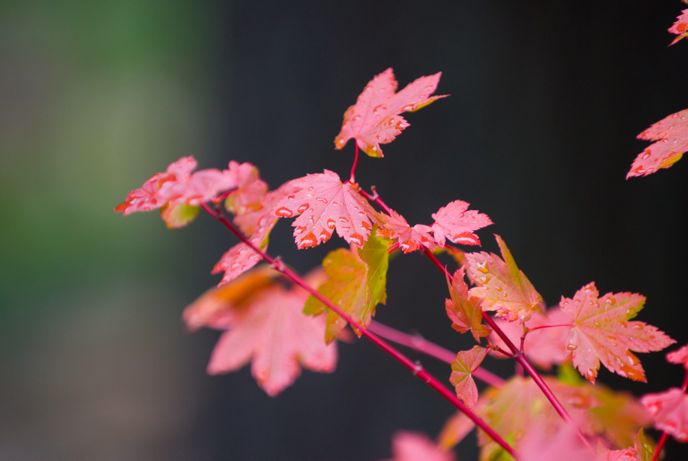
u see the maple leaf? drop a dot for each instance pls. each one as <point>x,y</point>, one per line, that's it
<point>671,142</point>
<point>456,428</point>
<point>251,191</point>
<point>265,326</point>
<point>218,307</point>
<point>669,410</point>
<point>463,310</point>
<point>679,356</point>
<point>414,446</point>
<point>501,286</point>
<point>544,347</point>
<point>539,444</point>
<point>323,204</point>
<point>375,118</point>
<point>642,450</point>
<point>598,411</point>
<point>394,226</point>
<point>603,333</point>
<point>356,282</point>
<point>680,27</point>
<point>178,192</point>
<point>242,257</point>
<point>464,365</point>
<point>456,223</point>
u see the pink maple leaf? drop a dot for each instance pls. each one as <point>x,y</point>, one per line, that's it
<point>671,142</point>
<point>539,444</point>
<point>462,309</point>
<point>456,223</point>
<point>177,189</point>
<point>394,226</point>
<point>453,222</point>
<point>242,257</point>
<point>680,27</point>
<point>375,118</point>
<point>602,332</point>
<point>501,285</point>
<point>669,410</point>
<point>250,190</point>
<point>414,446</point>
<point>679,356</point>
<point>156,191</point>
<point>462,373</point>
<point>543,346</point>
<point>269,329</point>
<point>323,204</point>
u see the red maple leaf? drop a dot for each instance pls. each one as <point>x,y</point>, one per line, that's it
<point>453,222</point>
<point>394,226</point>
<point>602,332</point>
<point>679,356</point>
<point>323,204</point>
<point>671,142</point>
<point>375,118</point>
<point>680,27</point>
<point>177,185</point>
<point>461,377</point>
<point>267,327</point>
<point>670,412</point>
<point>456,223</point>
<point>414,446</point>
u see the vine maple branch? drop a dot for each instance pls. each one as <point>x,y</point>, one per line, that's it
<point>422,345</point>
<point>397,355</point>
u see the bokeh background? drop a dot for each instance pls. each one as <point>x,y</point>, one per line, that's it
<point>547,97</point>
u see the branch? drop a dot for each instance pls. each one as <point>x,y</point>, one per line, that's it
<point>415,368</point>
<point>422,345</point>
<point>520,358</point>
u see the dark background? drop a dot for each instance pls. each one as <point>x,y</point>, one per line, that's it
<point>547,98</point>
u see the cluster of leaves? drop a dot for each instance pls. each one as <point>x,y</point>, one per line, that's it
<point>281,329</point>
<point>670,135</point>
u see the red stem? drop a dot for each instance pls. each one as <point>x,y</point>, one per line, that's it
<point>420,344</point>
<point>663,439</point>
<point>415,368</point>
<point>352,177</point>
<point>520,358</point>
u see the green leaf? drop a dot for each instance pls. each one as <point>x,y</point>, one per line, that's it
<point>178,215</point>
<point>356,282</point>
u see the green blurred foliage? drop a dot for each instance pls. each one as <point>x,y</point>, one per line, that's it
<point>96,95</point>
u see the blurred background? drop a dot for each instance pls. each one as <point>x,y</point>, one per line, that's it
<point>547,98</point>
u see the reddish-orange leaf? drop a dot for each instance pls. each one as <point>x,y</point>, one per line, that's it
<point>375,118</point>
<point>670,412</point>
<point>680,27</point>
<point>462,373</point>
<point>241,257</point>
<point>543,346</point>
<point>218,307</point>
<point>323,204</point>
<point>268,329</point>
<point>178,185</point>
<point>456,223</point>
<point>501,286</point>
<point>679,356</point>
<point>414,446</point>
<point>540,444</point>
<point>603,333</point>
<point>671,142</point>
<point>463,310</point>
<point>394,226</point>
